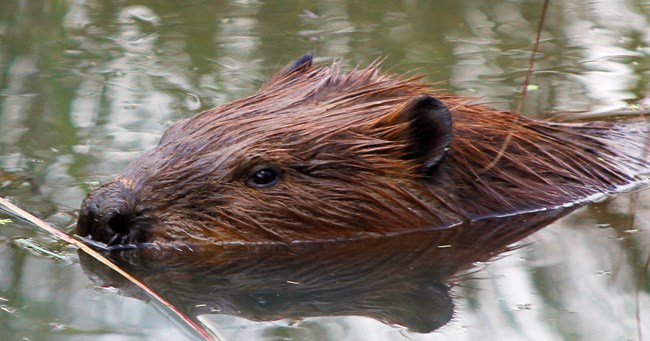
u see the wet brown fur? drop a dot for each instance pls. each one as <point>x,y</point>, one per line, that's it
<point>340,141</point>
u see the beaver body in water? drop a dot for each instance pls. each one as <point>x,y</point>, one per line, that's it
<point>319,154</point>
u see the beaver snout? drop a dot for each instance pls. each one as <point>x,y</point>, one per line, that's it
<point>110,215</point>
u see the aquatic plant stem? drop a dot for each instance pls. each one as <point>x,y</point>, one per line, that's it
<point>17,211</point>
<point>524,89</point>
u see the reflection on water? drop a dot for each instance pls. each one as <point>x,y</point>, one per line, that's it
<point>402,280</point>
<point>85,86</point>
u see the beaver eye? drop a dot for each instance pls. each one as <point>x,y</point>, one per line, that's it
<point>264,177</point>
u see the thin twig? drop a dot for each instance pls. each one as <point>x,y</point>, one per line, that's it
<point>635,198</point>
<point>17,211</point>
<point>639,284</point>
<point>524,90</point>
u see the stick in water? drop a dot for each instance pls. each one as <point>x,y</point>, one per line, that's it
<point>47,227</point>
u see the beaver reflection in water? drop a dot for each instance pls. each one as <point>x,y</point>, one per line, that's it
<point>319,154</point>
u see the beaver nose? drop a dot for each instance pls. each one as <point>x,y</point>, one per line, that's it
<point>109,215</point>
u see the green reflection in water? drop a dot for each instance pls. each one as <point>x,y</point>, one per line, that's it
<point>85,86</point>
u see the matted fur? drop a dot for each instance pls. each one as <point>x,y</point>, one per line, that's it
<point>339,141</point>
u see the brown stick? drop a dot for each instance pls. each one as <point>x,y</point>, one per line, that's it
<point>17,211</point>
<point>524,88</point>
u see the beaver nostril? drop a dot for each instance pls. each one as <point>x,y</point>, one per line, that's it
<point>119,228</point>
<point>86,220</point>
<point>120,224</point>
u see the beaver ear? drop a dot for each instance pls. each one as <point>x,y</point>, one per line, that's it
<point>302,63</point>
<point>428,134</point>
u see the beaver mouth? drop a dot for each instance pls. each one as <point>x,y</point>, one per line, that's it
<point>107,247</point>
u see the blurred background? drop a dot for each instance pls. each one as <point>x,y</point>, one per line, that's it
<point>87,85</point>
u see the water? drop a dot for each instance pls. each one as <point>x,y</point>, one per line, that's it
<point>86,86</point>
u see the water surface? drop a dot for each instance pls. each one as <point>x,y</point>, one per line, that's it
<point>86,86</point>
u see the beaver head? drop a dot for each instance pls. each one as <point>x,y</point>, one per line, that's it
<point>318,154</point>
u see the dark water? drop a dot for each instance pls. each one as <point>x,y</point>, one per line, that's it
<point>86,86</point>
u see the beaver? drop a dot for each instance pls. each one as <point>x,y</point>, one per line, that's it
<point>322,154</point>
